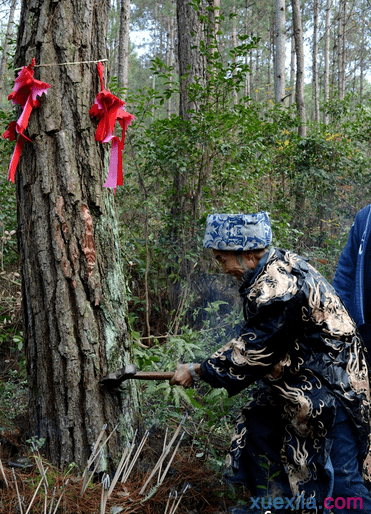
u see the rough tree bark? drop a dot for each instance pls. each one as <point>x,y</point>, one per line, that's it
<point>74,299</point>
<point>280,54</point>
<point>8,35</point>
<point>123,53</point>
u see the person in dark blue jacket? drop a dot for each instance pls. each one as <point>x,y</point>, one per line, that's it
<point>352,279</point>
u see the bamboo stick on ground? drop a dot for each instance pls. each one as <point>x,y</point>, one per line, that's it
<point>39,462</point>
<point>61,496</point>
<point>103,445</point>
<point>90,476</point>
<point>163,456</point>
<point>3,474</point>
<point>135,458</point>
<point>93,457</point>
<point>91,460</point>
<point>163,449</point>
<point>101,434</point>
<point>171,459</point>
<point>52,500</point>
<point>105,488</point>
<point>18,496</point>
<point>118,470</point>
<point>158,463</point>
<point>37,488</point>
<point>168,501</point>
<point>45,499</point>
<point>124,468</point>
<point>175,506</point>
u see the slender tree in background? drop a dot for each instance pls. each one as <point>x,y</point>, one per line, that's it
<point>280,53</point>
<point>8,35</point>
<point>299,49</point>
<point>234,43</point>
<point>341,49</point>
<point>292,69</point>
<point>73,288</point>
<point>362,56</point>
<point>315,61</point>
<point>214,17</point>
<point>192,64</point>
<point>269,74</point>
<point>170,56</point>
<point>299,189</point>
<point>326,81</point>
<point>123,53</point>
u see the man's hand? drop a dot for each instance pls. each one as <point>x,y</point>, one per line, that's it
<point>182,375</point>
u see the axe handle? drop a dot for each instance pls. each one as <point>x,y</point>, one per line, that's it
<point>153,375</point>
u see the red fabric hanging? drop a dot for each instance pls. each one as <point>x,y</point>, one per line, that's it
<point>25,92</point>
<point>108,109</point>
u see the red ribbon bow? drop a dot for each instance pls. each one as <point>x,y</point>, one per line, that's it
<point>109,109</point>
<point>25,92</point>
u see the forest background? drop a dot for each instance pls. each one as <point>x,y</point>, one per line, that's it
<point>273,114</point>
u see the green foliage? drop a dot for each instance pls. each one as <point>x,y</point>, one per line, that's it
<point>211,410</point>
<point>12,397</point>
<point>36,443</point>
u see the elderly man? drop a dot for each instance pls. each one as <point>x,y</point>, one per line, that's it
<point>310,416</point>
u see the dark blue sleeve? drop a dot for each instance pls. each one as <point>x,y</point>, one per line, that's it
<point>346,269</point>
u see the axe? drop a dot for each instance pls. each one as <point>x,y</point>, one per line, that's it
<point>130,371</point>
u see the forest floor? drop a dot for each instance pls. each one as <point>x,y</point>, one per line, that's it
<point>206,492</point>
<point>196,465</point>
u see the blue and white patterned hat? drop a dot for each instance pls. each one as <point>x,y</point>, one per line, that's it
<point>238,232</point>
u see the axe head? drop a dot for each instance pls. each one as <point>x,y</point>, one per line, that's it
<point>114,379</point>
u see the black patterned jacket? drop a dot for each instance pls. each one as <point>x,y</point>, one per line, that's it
<point>302,348</point>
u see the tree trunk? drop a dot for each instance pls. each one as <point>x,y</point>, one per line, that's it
<point>234,45</point>
<point>257,69</point>
<point>171,58</point>
<point>123,57</point>
<point>246,31</point>
<point>292,70</point>
<point>362,56</point>
<point>190,34</point>
<point>326,85</point>
<point>340,50</point>
<point>334,60</point>
<point>344,49</point>
<point>299,48</point>
<point>314,60</point>
<point>73,288</point>
<point>251,67</point>
<point>8,35</point>
<point>154,52</point>
<point>280,73</point>
<point>269,73</point>
<point>214,20</point>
